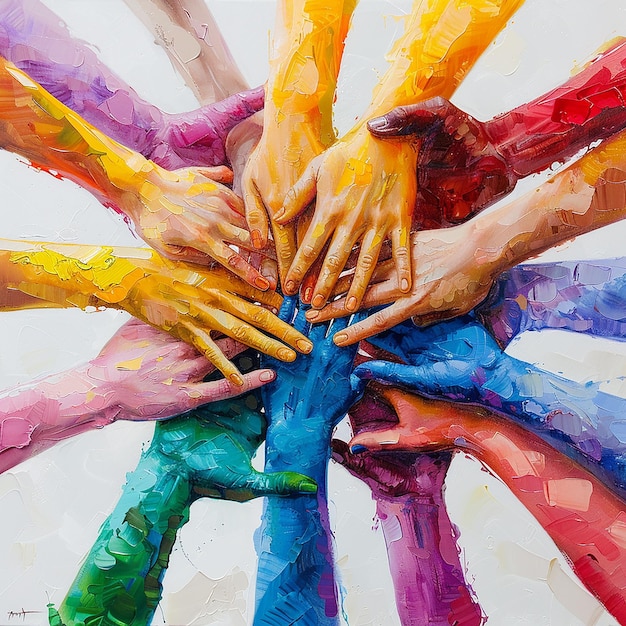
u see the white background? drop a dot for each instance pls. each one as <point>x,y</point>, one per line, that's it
<point>53,505</point>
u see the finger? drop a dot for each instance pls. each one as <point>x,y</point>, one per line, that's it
<point>370,249</point>
<point>412,119</point>
<point>402,257</point>
<point>285,244</point>
<point>263,319</point>
<point>386,371</point>
<point>281,484</point>
<point>333,265</point>
<point>202,393</point>
<point>309,281</point>
<point>269,269</point>
<point>219,173</point>
<point>374,324</point>
<point>377,295</point>
<point>309,250</point>
<point>237,264</point>
<point>220,278</point>
<point>201,340</point>
<point>183,253</point>
<point>300,195</point>
<point>389,439</point>
<point>256,214</point>
<point>236,235</point>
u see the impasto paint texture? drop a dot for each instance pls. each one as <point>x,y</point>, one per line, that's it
<point>297,279</point>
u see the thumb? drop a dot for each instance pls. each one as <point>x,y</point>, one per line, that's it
<point>386,372</point>
<point>389,439</point>
<point>412,119</point>
<point>299,196</point>
<point>281,484</point>
<point>236,108</point>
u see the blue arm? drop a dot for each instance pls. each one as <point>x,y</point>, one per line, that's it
<point>295,581</point>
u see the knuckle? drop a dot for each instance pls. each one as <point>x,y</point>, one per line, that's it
<point>333,262</point>
<point>379,320</point>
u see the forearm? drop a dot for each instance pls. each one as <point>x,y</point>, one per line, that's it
<point>306,54</point>
<point>37,42</point>
<point>35,418</point>
<point>295,570</point>
<point>37,126</point>
<point>68,275</point>
<point>425,527</point>
<point>586,196</point>
<point>121,577</point>
<point>441,42</point>
<point>579,513</point>
<point>192,39</point>
<point>586,297</point>
<point>588,107</point>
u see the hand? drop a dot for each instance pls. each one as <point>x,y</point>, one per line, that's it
<point>215,446</point>
<point>190,303</point>
<point>423,425</point>
<point>365,193</point>
<point>457,359</point>
<point>311,395</point>
<point>150,375</point>
<point>450,277</point>
<point>185,215</point>
<point>391,476</point>
<point>275,165</point>
<point>199,137</point>
<point>459,169</point>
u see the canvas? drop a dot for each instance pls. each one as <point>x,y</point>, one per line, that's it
<point>435,511</point>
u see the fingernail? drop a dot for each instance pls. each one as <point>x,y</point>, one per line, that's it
<point>318,301</point>
<point>312,315</point>
<point>351,304</point>
<point>236,380</point>
<point>307,486</point>
<point>279,214</point>
<point>404,285</point>
<point>267,375</point>
<point>255,235</point>
<point>290,286</point>
<point>308,292</point>
<point>262,283</point>
<point>304,346</point>
<point>357,448</point>
<point>377,123</point>
<point>285,354</point>
<point>340,338</point>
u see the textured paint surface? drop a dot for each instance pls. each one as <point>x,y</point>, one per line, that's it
<point>523,455</point>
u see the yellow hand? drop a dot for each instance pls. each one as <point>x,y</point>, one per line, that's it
<point>184,300</point>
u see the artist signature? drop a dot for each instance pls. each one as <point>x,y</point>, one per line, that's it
<point>21,614</point>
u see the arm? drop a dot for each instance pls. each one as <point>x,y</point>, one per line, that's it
<point>366,187</point>
<point>581,296</point>
<point>295,578</point>
<point>183,214</point>
<point>409,495</point>
<point>187,301</point>
<point>465,165</point>
<point>141,374</point>
<point>192,39</point>
<point>583,517</point>
<point>304,64</point>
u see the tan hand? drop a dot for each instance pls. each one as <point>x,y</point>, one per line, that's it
<point>280,158</point>
<point>365,191</point>
<point>450,277</point>
<point>187,215</point>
